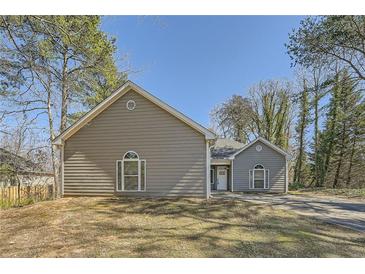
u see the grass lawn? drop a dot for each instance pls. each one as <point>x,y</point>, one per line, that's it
<point>111,227</point>
<point>341,193</point>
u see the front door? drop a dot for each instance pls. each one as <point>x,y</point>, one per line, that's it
<point>221,178</point>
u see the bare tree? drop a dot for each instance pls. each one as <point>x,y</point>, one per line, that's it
<point>272,107</point>
<point>231,119</point>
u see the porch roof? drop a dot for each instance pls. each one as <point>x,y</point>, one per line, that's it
<point>224,148</point>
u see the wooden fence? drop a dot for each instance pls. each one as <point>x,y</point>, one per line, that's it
<point>20,195</point>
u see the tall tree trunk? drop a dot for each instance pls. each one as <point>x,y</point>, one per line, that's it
<point>64,92</point>
<point>348,180</point>
<point>341,155</point>
<point>316,162</point>
<point>53,148</point>
<point>302,125</point>
<point>298,167</point>
<point>329,150</point>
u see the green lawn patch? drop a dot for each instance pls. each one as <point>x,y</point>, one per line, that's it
<point>343,193</point>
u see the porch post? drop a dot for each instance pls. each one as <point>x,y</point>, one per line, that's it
<point>232,176</point>
<point>207,169</point>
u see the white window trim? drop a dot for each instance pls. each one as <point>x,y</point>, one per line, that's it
<point>122,175</point>
<point>253,177</point>
<point>131,102</point>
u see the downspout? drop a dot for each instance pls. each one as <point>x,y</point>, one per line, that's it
<point>286,175</point>
<point>232,175</point>
<point>62,167</point>
<point>208,168</point>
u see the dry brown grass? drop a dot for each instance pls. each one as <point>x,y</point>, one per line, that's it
<point>111,227</point>
<point>357,194</point>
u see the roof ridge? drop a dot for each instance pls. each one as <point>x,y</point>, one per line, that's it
<point>94,112</point>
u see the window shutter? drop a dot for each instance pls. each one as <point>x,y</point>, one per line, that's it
<point>251,179</point>
<point>119,175</point>
<point>266,178</point>
<point>143,175</point>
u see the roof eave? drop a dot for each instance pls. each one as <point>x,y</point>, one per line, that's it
<point>115,96</point>
<point>279,150</point>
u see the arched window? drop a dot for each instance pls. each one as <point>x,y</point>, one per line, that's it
<point>130,155</point>
<point>259,177</point>
<point>131,173</point>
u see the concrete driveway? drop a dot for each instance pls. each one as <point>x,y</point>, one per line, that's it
<point>343,212</point>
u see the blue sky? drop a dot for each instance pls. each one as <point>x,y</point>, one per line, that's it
<point>196,62</point>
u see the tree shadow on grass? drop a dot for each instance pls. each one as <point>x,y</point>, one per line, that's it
<point>142,227</point>
<point>222,228</point>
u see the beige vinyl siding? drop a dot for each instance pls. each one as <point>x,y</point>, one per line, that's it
<point>175,153</point>
<point>267,157</point>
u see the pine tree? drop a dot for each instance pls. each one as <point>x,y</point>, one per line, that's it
<point>356,138</point>
<point>342,134</point>
<point>51,63</point>
<point>350,120</point>
<point>327,137</point>
<point>301,131</point>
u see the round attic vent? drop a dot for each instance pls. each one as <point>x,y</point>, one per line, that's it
<point>258,148</point>
<point>131,105</point>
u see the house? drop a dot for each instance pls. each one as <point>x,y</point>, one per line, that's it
<point>15,169</point>
<point>133,144</point>
<point>256,166</point>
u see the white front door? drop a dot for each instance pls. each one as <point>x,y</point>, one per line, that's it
<point>221,178</point>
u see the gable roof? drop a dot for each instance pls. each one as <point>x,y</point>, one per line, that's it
<point>224,148</point>
<point>129,85</point>
<point>266,142</point>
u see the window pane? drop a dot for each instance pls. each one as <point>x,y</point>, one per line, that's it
<point>259,175</point>
<point>119,175</point>
<point>131,155</point>
<point>259,179</point>
<point>130,167</point>
<point>143,175</point>
<point>130,182</point>
<point>259,183</point>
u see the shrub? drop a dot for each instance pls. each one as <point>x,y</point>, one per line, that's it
<point>296,186</point>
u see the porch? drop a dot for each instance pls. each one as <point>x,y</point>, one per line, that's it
<point>220,175</point>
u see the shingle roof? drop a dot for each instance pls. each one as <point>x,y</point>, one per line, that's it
<point>224,148</point>
<point>17,162</point>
